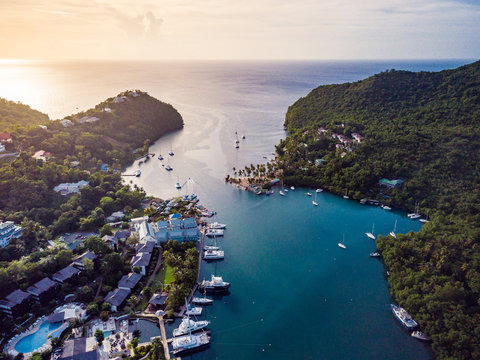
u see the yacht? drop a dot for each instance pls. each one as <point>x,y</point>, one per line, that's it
<point>202,300</point>
<point>214,232</point>
<point>385,207</point>
<point>375,254</point>
<point>308,194</point>
<point>341,244</point>
<point>415,215</point>
<point>178,186</point>
<point>190,343</point>
<point>286,190</point>
<point>217,225</point>
<point>420,335</point>
<point>281,193</point>
<point>318,190</point>
<point>215,285</point>
<point>187,326</point>
<point>193,310</point>
<point>404,317</point>
<point>392,233</point>
<point>424,221</point>
<point>213,255</point>
<point>370,234</point>
<point>292,187</point>
<point>210,247</point>
<point>138,173</point>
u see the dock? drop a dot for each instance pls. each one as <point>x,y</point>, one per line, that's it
<point>164,337</point>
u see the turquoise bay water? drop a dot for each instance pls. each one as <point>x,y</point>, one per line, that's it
<point>36,340</point>
<point>295,294</point>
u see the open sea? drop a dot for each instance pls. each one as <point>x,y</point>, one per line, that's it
<point>295,294</point>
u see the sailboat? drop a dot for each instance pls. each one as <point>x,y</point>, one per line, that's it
<point>424,221</point>
<point>281,193</point>
<point>415,215</point>
<point>177,185</point>
<point>202,300</point>
<point>392,233</point>
<point>236,141</point>
<point>168,167</point>
<point>342,244</point>
<point>314,202</point>
<point>346,196</point>
<point>370,234</point>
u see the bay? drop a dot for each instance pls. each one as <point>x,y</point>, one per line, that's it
<point>295,294</point>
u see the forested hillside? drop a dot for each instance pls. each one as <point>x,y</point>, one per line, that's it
<point>422,128</point>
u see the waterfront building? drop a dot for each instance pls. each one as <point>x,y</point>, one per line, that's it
<point>9,231</point>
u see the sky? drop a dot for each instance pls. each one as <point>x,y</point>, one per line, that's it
<point>239,29</point>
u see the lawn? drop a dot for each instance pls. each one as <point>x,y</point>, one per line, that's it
<point>164,276</point>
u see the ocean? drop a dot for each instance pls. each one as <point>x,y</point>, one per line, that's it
<point>295,294</point>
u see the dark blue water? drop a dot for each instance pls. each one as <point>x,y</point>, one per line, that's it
<point>295,294</point>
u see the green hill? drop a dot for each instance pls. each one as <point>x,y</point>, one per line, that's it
<point>422,128</point>
<point>14,115</point>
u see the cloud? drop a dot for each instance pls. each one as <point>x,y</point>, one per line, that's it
<point>146,25</point>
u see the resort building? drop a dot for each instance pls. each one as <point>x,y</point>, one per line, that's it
<point>141,260</point>
<point>79,263</point>
<point>146,247</point>
<point>69,274</point>
<point>70,188</point>
<point>128,282</point>
<point>145,231</point>
<point>116,298</point>
<point>44,290</point>
<point>16,303</point>
<point>9,231</point>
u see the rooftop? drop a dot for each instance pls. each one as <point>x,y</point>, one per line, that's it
<point>129,281</point>
<point>116,297</point>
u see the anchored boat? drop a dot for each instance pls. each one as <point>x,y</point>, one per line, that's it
<point>404,317</point>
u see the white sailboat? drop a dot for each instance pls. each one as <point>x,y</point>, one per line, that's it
<point>424,221</point>
<point>314,202</point>
<point>370,234</point>
<point>308,194</point>
<point>415,215</point>
<point>171,150</point>
<point>202,300</point>
<point>342,244</point>
<point>393,233</point>
<point>281,193</point>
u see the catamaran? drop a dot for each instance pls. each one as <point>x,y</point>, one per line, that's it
<point>214,232</point>
<point>341,244</point>
<point>215,285</point>
<point>393,232</point>
<point>370,234</point>
<point>213,255</point>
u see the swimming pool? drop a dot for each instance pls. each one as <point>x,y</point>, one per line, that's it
<point>147,329</point>
<point>36,340</point>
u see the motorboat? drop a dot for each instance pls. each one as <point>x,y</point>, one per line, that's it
<point>318,190</point>
<point>210,247</point>
<point>160,157</point>
<point>168,168</point>
<point>138,173</point>
<point>178,186</point>
<point>342,244</point>
<point>188,326</point>
<point>193,310</point>
<point>216,284</point>
<point>217,225</point>
<point>375,254</point>
<point>281,193</point>
<point>420,335</point>
<point>385,207</point>
<point>308,194</point>
<point>292,187</point>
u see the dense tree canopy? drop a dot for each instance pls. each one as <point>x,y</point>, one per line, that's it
<point>423,128</point>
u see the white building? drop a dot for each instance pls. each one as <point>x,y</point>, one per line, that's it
<point>9,231</point>
<point>70,188</point>
<point>2,147</point>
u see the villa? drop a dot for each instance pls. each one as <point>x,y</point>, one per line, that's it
<point>16,303</point>
<point>9,231</point>
<point>128,282</point>
<point>70,188</point>
<point>44,290</point>
<point>141,260</point>
<point>146,247</point>
<point>116,298</point>
<point>158,301</point>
